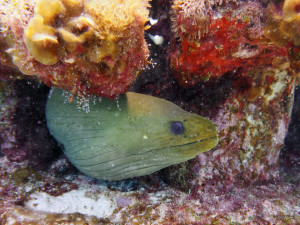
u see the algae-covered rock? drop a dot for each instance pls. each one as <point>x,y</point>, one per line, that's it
<point>251,126</point>
<point>242,82</point>
<point>23,132</point>
<point>87,47</point>
<point>250,99</point>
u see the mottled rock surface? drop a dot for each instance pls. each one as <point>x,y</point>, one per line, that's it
<point>23,133</point>
<point>238,182</point>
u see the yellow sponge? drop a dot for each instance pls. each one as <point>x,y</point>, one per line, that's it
<point>41,41</point>
<point>87,46</point>
<point>284,28</point>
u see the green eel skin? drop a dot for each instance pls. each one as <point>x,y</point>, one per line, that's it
<point>127,138</point>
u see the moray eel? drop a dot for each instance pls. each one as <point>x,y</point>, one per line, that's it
<point>134,136</point>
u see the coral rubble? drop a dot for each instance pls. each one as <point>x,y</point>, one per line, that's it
<point>88,47</point>
<point>47,198</point>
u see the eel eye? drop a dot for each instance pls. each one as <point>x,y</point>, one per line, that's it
<point>177,127</point>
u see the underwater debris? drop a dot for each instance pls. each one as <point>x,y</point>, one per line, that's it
<point>88,47</point>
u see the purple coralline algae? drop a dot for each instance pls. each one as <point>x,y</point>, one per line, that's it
<point>78,199</point>
<point>24,134</point>
<point>250,177</point>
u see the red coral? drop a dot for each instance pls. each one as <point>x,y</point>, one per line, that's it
<point>225,48</point>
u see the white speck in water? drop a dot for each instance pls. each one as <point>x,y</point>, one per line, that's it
<point>83,103</point>
<point>118,105</point>
<point>153,21</point>
<point>94,100</point>
<point>50,92</point>
<point>157,39</point>
<point>145,137</point>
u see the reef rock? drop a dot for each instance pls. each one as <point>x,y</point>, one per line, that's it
<point>231,73</point>
<point>87,47</point>
<point>223,67</point>
<point>252,122</point>
<point>24,136</point>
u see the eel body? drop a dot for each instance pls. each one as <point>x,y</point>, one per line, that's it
<point>134,136</point>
